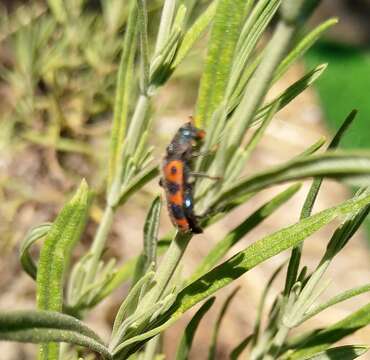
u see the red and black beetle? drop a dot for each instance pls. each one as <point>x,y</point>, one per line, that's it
<point>175,180</point>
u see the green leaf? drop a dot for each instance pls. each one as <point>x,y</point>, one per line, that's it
<point>125,272</point>
<point>224,36</point>
<point>237,351</point>
<point>144,47</point>
<point>217,327</point>
<point>244,261</point>
<point>256,11</point>
<point>138,182</point>
<point>148,258</point>
<point>167,18</point>
<point>194,33</point>
<point>151,228</point>
<point>323,339</point>
<point>347,352</point>
<point>25,258</point>
<point>314,285</point>
<point>123,92</point>
<point>260,251</point>
<point>55,256</point>
<point>257,87</point>
<point>46,326</point>
<point>344,233</point>
<point>261,306</point>
<point>252,221</point>
<point>245,60</point>
<point>336,165</point>
<point>313,148</point>
<point>308,206</point>
<point>336,300</point>
<point>186,342</point>
<point>303,45</point>
<point>292,91</point>
<point>258,134</point>
<point>237,164</point>
<point>131,298</point>
<point>58,9</point>
<point>342,130</point>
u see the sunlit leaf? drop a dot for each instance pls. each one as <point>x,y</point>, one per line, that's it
<point>311,197</point>
<point>224,36</point>
<point>55,256</point>
<point>243,261</point>
<point>138,182</point>
<point>194,33</point>
<point>303,45</point>
<point>344,166</point>
<point>25,258</point>
<point>123,91</point>
<point>292,91</point>
<point>45,326</point>
<point>336,300</point>
<point>252,221</point>
<point>148,258</point>
<point>322,340</point>
<point>347,352</point>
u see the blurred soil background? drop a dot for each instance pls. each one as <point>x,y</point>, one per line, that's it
<point>44,155</point>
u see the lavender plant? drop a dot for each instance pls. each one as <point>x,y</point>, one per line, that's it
<point>238,72</point>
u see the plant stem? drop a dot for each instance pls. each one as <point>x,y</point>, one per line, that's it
<point>165,270</point>
<point>277,343</point>
<point>98,244</point>
<point>137,123</point>
<point>151,348</point>
<point>262,344</point>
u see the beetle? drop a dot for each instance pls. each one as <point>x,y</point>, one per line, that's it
<point>175,178</point>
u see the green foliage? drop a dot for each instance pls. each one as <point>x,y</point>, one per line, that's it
<point>342,352</point>
<point>224,245</point>
<point>184,346</point>
<point>309,203</point>
<point>322,339</point>
<point>148,259</point>
<point>124,90</point>
<point>55,256</point>
<point>44,326</point>
<point>260,251</point>
<point>25,258</point>
<point>346,166</point>
<point>217,327</point>
<point>224,36</point>
<point>241,66</point>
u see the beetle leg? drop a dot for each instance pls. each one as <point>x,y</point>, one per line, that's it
<point>203,175</point>
<point>205,153</point>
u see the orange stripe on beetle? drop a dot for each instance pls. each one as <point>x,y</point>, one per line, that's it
<point>178,217</point>
<point>174,178</point>
<point>173,171</point>
<point>182,224</point>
